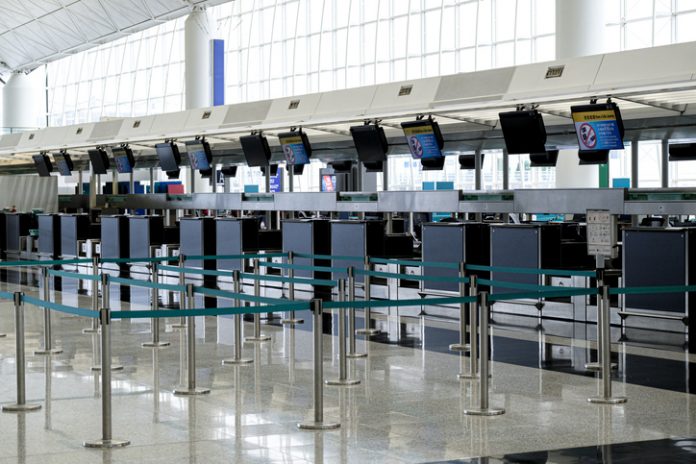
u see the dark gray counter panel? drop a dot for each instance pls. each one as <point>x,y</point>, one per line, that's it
<point>235,236</point>
<point>114,237</point>
<point>144,232</point>
<point>73,228</point>
<point>356,238</point>
<point>49,235</point>
<point>515,246</point>
<point>16,225</point>
<point>197,237</point>
<point>308,236</point>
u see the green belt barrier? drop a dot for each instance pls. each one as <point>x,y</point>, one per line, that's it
<point>649,290</point>
<point>73,275</point>
<point>394,275</point>
<point>389,303</point>
<point>160,313</point>
<point>7,295</point>
<point>405,262</point>
<point>53,262</point>
<point>302,267</point>
<point>61,308</point>
<point>529,270</point>
<point>541,294</point>
<point>238,296</point>
<point>219,257</point>
<point>156,259</point>
<point>519,286</point>
<point>146,284</point>
<point>329,257</point>
<point>297,280</point>
<point>190,270</point>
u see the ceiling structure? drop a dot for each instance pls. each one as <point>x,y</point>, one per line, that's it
<point>34,32</point>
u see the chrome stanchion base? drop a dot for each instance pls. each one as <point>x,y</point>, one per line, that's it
<point>193,392</point>
<point>318,425</point>
<point>459,347</point>
<point>114,367</point>
<point>155,344</point>
<point>356,355</point>
<point>48,352</point>
<point>21,407</point>
<point>368,332</point>
<point>234,362</point>
<point>595,366</point>
<point>292,321</point>
<point>612,400</point>
<point>262,338</point>
<point>342,383</point>
<point>484,412</point>
<point>104,444</point>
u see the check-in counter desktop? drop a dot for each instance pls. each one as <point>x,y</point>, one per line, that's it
<point>308,236</point>
<point>49,236</point>
<point>235,236</point>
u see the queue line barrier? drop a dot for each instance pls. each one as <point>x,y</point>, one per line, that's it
<point>531,270</point>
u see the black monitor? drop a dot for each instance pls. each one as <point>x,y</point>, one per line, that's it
<point>199,154</point>
<point>374,166</point>
<point>64,163</point>
<point>169,157</point>
<point>123,157</point>
<point>342,166</point>
<point>229,171</point>
<point>298,169</point>
<point>593,157</point>
<point>469,161</point>
<point>598,126</point>
<point>682,152</point>
<point>524,132</point>
<point>173,174</point>
<point>296,147</point>
<point>370,143</point>
<point>43,164</point>
<point>256,150</point>
<point>424,138</point>
<point>273,169</point>
<point>433,164</point>
<point>99,160</point>
<point>545,159</point>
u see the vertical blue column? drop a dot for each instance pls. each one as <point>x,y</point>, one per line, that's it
<point>218,72</point>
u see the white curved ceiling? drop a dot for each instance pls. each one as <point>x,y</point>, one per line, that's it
<point>33,32</point>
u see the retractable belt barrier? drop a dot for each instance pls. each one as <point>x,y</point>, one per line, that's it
<point>396,275</point>
<point>530,270</point>
<point>303,267</point>
<point>404,262</point>
<point>221,257</point>
<point>52,262</point>
<point>59,307</point>
<point>73,275</point>
<point>195,312</point>
<point>329,257</point>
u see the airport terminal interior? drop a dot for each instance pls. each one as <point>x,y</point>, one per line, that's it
<point>347,231</point>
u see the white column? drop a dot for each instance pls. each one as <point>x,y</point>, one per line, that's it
<point>580,31</point>
<point>24,100</point>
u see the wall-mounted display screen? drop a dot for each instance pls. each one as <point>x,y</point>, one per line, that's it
<point>370,143</point>
<point>123,157</point>
<point>169,157</point>
<point>296,148</point>
<point>424,138</point>
<point>63,163</point>
<point>328,183</point>
<point>199,154</point>
<point>598,127</point>
<point>256,150</point>
<point>524,132</point>
<point>99,160</point>
<point>43,165</point>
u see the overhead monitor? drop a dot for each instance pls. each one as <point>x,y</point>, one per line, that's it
<point>123,157</point>
<point>524,131</point>
<point>370,143</point>
<point>99,160</point>
<point>229,171</point>
<point>199,154</point>
<point>256,150</point>
<point>682,152</point>
<point>374,166</point>
<point>424,138</point>
<point>273,169</point>
<point>433,164</point>
<point>548,158</point>
<point>598,126</point>
<point>296,147</point>
<point>43,164</point>
<point>345,166</point>
<point>169,157</point>
<point>173,174</point>
<point>469,161</point>
<point>593,156</point>
<point>298,169</point>
<point>64,163</point>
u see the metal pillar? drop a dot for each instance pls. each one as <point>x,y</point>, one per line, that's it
<point>237,326</point>
<point>367,330</point>
<point>473,330</point>
<point>462,345</point>
<point>182,294</point>
<point>191,388</point>
<point>20,362</point>
<point>318,356</point>
<point>634,163</point>
<point>351,317</point>
<point>291,319</point>
<point>105,304</point>
<point>343,379</point>
<point>47,344</point>
<point>94,328</point>
<point>258,337</point>
<point>154,306</point>
<point>664,161</point>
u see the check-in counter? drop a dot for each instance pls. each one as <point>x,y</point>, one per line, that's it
<point>308,236</point>
<point>147,234</point>
<point>197,238</point>
<point>235,236</point>
<point>49,235</point>
<point>115,241</point>
<point>17,227</point>
<point>356,238</point>
<point>453,242</point>
<point>75,229</point>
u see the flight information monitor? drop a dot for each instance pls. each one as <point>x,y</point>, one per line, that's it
<point>99,160</point>
<point>168,154</point>
<point>296,148</point>
<point>63,163</point>
<point>123,157</point>
<point>524,131</point>
<point>199,154</point>
<point>424,138</point>
<point>598,127</point>
<point>256,150</point>
<point>43,165</point>
<point>370,143</point>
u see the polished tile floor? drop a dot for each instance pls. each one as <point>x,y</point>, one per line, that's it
<point>407,409</point>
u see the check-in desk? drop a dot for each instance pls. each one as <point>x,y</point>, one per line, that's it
<point>49,236</point>
<point>76,230</point>
<point>17,227</point>
<point>115,241</point>
<point>148,235</point>
<point>660,257</point>
<point>308,236</point>
<point>356,238</point>
<point>235,236</point>
<point>197,238</point>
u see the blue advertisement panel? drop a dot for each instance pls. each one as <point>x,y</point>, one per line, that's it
<point>294,150</point>
<point>422,142</point>
<point>198,158</point>
<point>123,165</point>
<point>597,130</point>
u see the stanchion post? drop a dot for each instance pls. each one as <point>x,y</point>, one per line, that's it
<point>318,357</point>
<point>237,325</point>
<point>604,320</point>
<point>597,366</point>
<point>191,388</point>
<point>291,319</point>
<point>105,303</point>
<point>462,345</point>
<point>257,317</point>
<point>94,328</point>
<point>154,306</point>
<point>47,343</point>
<point>484,409</point>
<point>182,294</point>
<point>351,317</point>
<point>343,379</point>
<point>473,330</point>
<point>367,330</point>
<point>20,361</point>
<point>106,441</point>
